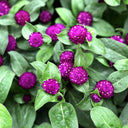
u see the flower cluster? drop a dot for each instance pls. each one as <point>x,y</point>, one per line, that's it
<point>118,38</point>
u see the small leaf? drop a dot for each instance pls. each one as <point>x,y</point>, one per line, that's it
<point>18,63</point>
<point>66,3</point>
<point>46,39</point>
<point>43,125</point>
<point>63,115</point>
<point>113,2</point>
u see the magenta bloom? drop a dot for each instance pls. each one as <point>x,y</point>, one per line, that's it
<point>110,63</point>
<point>59,98</point>
<point>27,80</point>
<point>21,17</point>
<point>35,39</point>
<point>77,34</point>
<point>88,36</point>
<point>105,88</point>
<point>65,69</point>
<point>4,8</point>
<point>11,43</point>
<point>78,75</point>
<point>126,39</point>
<point>51,86</point>
<point>118,38</point>
<point>67,56</point>
<point>85,18</point>
<point>27,98</point>
<point>95,98</point>
<point>53,30</point>
<point>45,16</point>
<point>1,60</point>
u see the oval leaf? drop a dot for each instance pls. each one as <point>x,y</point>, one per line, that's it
<point>113,2</point>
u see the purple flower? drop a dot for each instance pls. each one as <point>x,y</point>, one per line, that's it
<point>45,16</point>
<point>53,30</point>
<point>85,18</point>
<point>27,98</point>
<point>27,80</point>
<point>65,69</point>
<point>51,86</point>
<point>78,75</point>
<point>118,38</point>
<point>11,43</point>
<point>59,98</point>
<point>95,98</point>
<point>88,36</point>
<point>105,88</point>
<point>4,8</point>
<point>126,39</point>
<point>77,34</point>
<point>35,39</point>
<point>67,56</point>
<point>110,63</point>
<point>1,60</point>
<point>21,17</point>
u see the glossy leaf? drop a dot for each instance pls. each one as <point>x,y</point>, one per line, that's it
<point>113,2</point>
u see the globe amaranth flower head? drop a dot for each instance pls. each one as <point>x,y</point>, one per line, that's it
<point>45,16</point>
<point>95,98</point>
<point>35,39</point>
<point>11,43</point>
<point>51,86</point>
<point>77,34</point>
<point>85,18</point>
<point>65,69</point>
<point>67,56</point>
<point>118,38</point>
<point>4,8</point>
<point>78,75</point>
<point>21,17</point>
<point>53,30</point>
<point>126,39</point>
<point>105,89</point>
<point>1,60</point>
<point>26,98</point>
<point>27,80</point>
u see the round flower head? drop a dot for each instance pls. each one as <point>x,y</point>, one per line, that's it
<point>26,98</point>
<point>35,39</point>
<point>105,88</point>
<point>126,39</point>
<point>51,86</point>
<point>45,16</point>
<point>88,36</point>
<point>27,80</point>
<point>118,38</point>
<point>53,30</point>
<point>4,8</point>
<point>77,34</point>
<point>84,18</point>
<point>65,69</point>
<point>67,56</point>
<point>1,60</point>
<point>60,26</point>
<point>21,17</point>
<point>11,43</point>
<point>110,63</point>
<point>95,98</point>
<point>78,75</point>
<point>59,98</point>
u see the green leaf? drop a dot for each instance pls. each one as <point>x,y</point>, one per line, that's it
<point>66,3</point>
<point>5,118</point>
<point>103,28</point>
<point>121,64</point>
<point>124,115</point>
<point>113,2</point>
<point>63,115</point>
<point>105,118</point>
<point>23,115</point>
<point>119,80</point>
<point>51,72</point>
<point>126,126</point>
<point>64,38</point>
<point>18,63</point>
<point>42,98</point>
<point>40,67</point>
<point>46,39</point>
<point>87,2</point>
<point>27,30</point>
<point>3,39</point>
<point>114,50</point>
<point>77,6</point>
<point>6,78</point>
<point>96,9</point>
<point>44,54</point>
<point>19,98</point>
<point>83,59</point>
<point>66,15</point>
<point>44,125</point>
<point>125,1</point>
